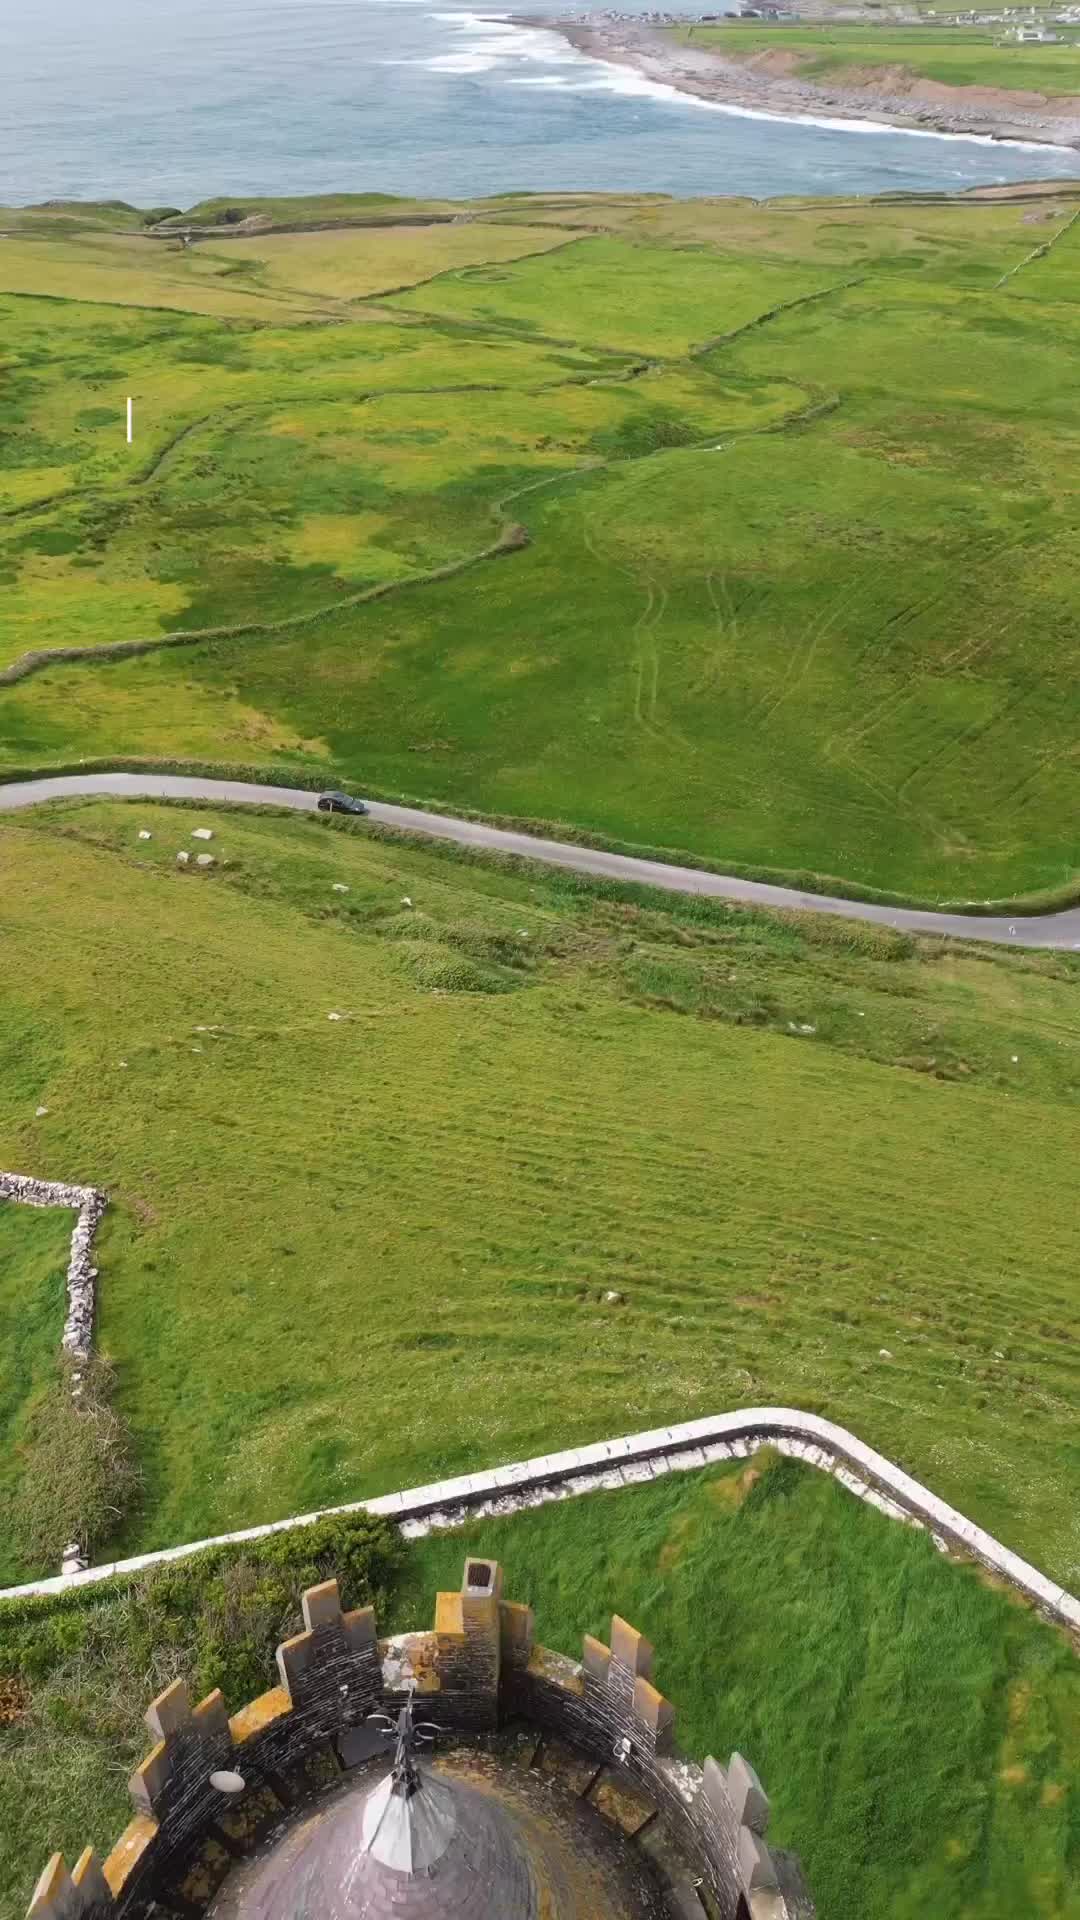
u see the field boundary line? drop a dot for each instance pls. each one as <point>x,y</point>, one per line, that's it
<point>639,1457</point>
<point>89,1203</point>
<point>1039,252</point>
<point>512,538</point>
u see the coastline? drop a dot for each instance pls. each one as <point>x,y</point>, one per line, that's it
<point>882,97</point>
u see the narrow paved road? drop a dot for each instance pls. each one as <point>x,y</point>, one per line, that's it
<point>1045,930</point>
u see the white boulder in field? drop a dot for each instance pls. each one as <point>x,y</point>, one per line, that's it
<point>182,857</point>
<point>144,835</point>
<point>205,860</point>
<point>202,833</point>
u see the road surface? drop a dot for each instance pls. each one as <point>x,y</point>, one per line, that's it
<point>1060,930</point>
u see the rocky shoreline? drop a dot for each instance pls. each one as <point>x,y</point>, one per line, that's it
<point>767,83</point>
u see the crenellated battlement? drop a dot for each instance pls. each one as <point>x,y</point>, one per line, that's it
<point>212,1785</point>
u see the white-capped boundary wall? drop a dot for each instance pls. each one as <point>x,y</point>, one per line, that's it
<point>646,1456</point>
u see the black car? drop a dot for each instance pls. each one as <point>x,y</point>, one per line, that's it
<point>340,803</point>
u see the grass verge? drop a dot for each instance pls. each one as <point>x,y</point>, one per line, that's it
<point>824,1164</point>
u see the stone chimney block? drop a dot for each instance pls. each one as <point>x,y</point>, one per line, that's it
<point>481,1590</point>
<point>482,1578</point>
<point>631,1647</point>
<point>747,1795</point>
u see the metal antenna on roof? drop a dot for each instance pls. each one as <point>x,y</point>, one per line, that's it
<point>408,1736</point>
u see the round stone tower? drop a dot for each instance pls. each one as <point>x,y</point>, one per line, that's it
<point>522,1786</point>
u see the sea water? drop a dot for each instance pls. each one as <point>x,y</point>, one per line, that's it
<point>164,102</point>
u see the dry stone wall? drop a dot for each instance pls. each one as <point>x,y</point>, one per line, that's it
<point>89,1203</point>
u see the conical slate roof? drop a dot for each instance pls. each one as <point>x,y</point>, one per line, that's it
<point>443,1852</point>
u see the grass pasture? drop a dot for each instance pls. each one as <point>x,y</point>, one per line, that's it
<point>788,1144</point>
<point>34,1248</point>
<point>950,56</point>
<point>942,1772</point>
<point>790,488</point>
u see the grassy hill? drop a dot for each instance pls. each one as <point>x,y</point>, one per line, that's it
<point>951,56</point>
<point>939,1777</point>
<point>820,1163</point>
<point>765,516</point>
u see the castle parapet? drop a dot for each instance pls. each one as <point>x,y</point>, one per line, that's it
<point>211,1785</point>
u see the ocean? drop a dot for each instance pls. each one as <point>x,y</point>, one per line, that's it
<point>162,103</point>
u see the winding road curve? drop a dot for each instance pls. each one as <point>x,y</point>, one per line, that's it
<point>1059,930</point>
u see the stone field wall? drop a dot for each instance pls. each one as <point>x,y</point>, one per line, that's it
<point>89,1204</point>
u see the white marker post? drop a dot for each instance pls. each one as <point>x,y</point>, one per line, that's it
<point>129,420</point>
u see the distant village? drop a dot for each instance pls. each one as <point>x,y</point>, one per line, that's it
<point>1027,26</point>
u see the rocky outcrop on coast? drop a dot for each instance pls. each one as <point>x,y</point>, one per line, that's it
<point>769,83</point>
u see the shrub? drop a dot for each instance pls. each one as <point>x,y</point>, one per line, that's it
<point>78,1473</point>
<point>438,969</point>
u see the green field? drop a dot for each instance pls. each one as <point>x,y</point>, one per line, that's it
<point>777,506</point>
<point>748,531</point>
<point>940,1778</point>
<point>952,56</point>
<point>34,1248</point>
<point>788,1144</point>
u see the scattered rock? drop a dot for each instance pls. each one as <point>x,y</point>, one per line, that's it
<point>122,1063</point>
<point>613,1299</point>
<point>40,1112</point>
<point>333,1016</point>
<point>884,1354</point>
<point>205,860</point>
<point>143,835</point>
<point>1015,1058</point>
<point>340,887</point>
<point>405,901</point>
<point>202,833</point>
<point>182,858</point>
